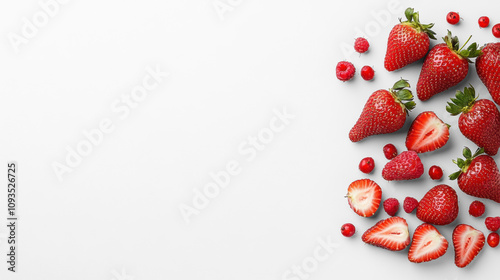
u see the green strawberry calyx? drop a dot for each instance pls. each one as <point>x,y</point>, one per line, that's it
<point>414,21</point>
<point>453,43</point>
<point>464,164</point>
<point>462,102</point>
<point>402,95</point>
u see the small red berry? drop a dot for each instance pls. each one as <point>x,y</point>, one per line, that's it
<point>493,239</point>
<point>476,208</point>
<point>492,223</point>
<point>483,22</point>
<point>348,230</point>
<point>366,165</point>
<point>452,18</point>
<point>391,206</point>
<point>367,73</point>
<point>361,45</point>
<point>410,204</point>
<point>345,71</point>
<point>496,30</point>
<point>435,172</point>
<point>390,151</point>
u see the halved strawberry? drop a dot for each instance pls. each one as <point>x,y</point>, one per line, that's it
<point>391,234</point>
<point>427,245</point>
<point>427,133</point>
<point>364,197</point>
<point>467,242</point>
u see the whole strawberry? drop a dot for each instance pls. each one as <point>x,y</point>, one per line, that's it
<point>445,66</point>
<point>478,175</point>
<point>439,206</point>
<point>479,120</point>
<point>384,112</point>
<point>488,71</point>
<point>405,166</point>
<point>408,42</point>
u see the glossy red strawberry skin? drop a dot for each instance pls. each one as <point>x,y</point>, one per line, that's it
<point>427,133</point>
<point>439,206</point>
<point>481,179</point>
<point>391,234</point>
<point>381,114</point>
<point>427,244</point>
<point>405,46</point>
<point>488,71</point>
<point>442,69</point>
<point>405,166</point>
<point>481,125</point>
<point>467,242</point>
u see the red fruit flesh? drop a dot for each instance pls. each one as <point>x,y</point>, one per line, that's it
<point>476,208</point>
<point>391,234</point>
<point>467,242</point>
<point>427,133</point>
<point>427,245</point>
<point>439,206</point>
<point>364,197</point>
<point>405,166</point>
<point>442,69</point>
<point>488,71</point>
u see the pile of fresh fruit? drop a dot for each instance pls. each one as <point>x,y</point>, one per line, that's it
<point>444,66</point>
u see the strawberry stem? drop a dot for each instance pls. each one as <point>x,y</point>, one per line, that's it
<point>403,95</point>
<point>464,164</point>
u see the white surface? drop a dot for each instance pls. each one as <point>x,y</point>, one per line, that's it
<point>116,216</point>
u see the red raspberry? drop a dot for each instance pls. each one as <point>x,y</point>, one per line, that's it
<point>391,206</point>
<point>345,71</point>
<point>367,73</point>
<point>492,223</point>
<point>476,208</point>
<point>410,204</point>
<point>361,45</point>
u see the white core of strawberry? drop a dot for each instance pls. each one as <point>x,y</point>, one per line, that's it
<point>469,241</point>
<point>363,198</point>
<point>431,241</point>
<point>396,232</point>
<point>434,129</point>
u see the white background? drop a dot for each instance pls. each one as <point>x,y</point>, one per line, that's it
<point>116,215</point>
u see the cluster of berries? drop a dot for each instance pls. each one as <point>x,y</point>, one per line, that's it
<point>445,65</point>
<point>345,70</point>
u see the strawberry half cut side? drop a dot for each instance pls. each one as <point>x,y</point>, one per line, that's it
<point>427,245</point>
<point>468,242</point>
<point>427,133</point>
<point>364,197</point>
<point>391,234</point>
